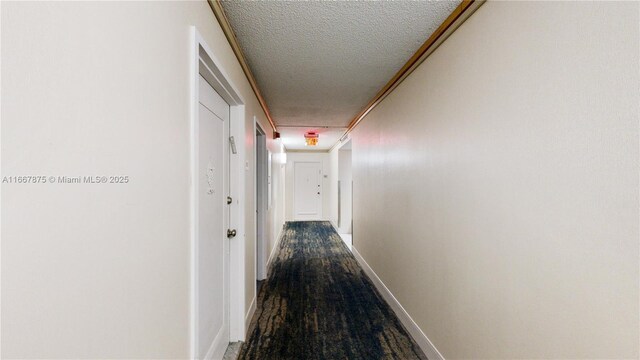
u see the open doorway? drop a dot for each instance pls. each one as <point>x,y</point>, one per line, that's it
<point>261,156</point>
<point>345,194</point>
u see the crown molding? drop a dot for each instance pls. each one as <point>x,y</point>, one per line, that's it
<point>218,11</point>
<point>448,26</point>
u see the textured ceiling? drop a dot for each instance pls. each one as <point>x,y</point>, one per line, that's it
<point>318,63</point>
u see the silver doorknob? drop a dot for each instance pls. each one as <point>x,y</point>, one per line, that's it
<point>231,233</point>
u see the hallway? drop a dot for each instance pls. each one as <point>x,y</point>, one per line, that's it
<point>317,303</point>
<point>276,179</point>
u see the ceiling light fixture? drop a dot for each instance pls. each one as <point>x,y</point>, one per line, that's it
<point>311,138</point>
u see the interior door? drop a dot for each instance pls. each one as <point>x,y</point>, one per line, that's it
<point>213,217</point>
<point>307,195</point>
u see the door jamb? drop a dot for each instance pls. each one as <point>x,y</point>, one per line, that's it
<point>339,225</point>
<point>203,60</point>
<point>257,128</point>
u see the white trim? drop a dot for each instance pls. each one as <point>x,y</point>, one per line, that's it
<point>259,180</point>
<point>217,348</point>
<point>237,246</point>
<point>418,335</point>
<point>335,228</point>
<point>193,223</point>
<point>275,247</point>
<point>250,313</point>
<point>204,61</point>
<point>254,156</point>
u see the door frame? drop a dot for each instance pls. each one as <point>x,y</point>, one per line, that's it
<point>261,180</point>
<point>203,61</point>
<point>340,226</point>
<point>321,212</point>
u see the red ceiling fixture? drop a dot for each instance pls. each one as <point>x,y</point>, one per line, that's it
<point>311,138</point>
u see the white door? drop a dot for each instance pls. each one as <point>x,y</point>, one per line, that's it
<point>212,224</point>
<point>307,196</point>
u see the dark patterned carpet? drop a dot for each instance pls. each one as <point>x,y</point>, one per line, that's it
<point>317,303</point>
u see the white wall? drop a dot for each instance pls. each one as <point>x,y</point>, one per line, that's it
<point>102,271</point>
<point>497,187</point>
<point>292,157</point>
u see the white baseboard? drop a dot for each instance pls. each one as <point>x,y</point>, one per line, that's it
<point>252,307</point>
<point>249,316</point>
<point>349,246</point>
<point>218,347</point>
<point>423,341</point>
<point>274,250</point>
<point>334,227</point>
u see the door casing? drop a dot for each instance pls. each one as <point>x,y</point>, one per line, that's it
<point>261,163</point>
<point>211,188</point>
<point>203,61</point>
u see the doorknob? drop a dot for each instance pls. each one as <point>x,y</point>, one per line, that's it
<point>231,233</point>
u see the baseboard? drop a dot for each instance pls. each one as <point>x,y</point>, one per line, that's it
<point>335,228</point>
<point>418,335</point>
<point>218,347</point>
<point>275,248</point>
<point>249,316</point>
